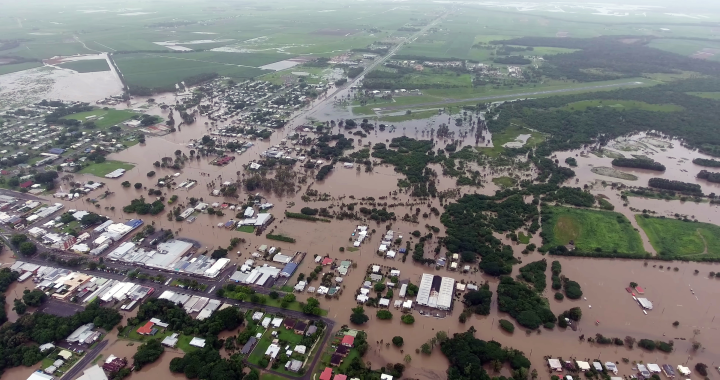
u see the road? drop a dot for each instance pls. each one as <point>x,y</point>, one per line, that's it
<point>80,365</point>
<point>510,96</point>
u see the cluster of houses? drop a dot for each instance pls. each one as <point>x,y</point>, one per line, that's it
<point>644,371</point>
<point>18,214</point>
<point>295,354</point>
<point>251,273</point>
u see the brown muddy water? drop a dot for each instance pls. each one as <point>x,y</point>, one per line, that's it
<point>603,280</point>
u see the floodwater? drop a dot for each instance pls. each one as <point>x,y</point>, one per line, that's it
<point>603,280</point>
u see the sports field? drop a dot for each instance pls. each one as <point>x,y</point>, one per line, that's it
<point>104,118</point>
<point>590,229</point>
<point>673,237</point>
<point>87,65</point>
<point>106,167</point>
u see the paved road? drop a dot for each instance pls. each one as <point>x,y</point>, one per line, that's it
<point>509,96</point>
<point>89,357</point>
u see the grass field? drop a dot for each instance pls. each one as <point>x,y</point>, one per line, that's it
<point>248,229</point>
<point>87,66</point>
<point>163,70</point>
<point>590,229</point>
<point>706,95</point>
<point>504,181</point>
<point>106,167</point>
<point>105,118</point>
<point>416,115</point>
<point>259,351</point>
<point>508,135</point>
<point>622,105</point>
<point>289,335</point>
<point>7,69</point>
<point>676,237</point>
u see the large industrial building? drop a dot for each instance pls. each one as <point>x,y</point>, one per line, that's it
<point>436,291</point>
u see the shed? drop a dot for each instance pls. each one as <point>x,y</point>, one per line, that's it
<point>598,367</point>
<point>555,364</point>
<point>583,366</point>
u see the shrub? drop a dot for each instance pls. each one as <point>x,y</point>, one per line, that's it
<point>384,314</point>
<point>407,319</point>
<point>559,296</point>
<point>507,325</point>
<point>398,341</point>
<point>647,344</point>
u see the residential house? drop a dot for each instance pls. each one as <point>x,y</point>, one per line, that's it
<point>348,340</point>
<point>342,350</point>
<point>300,327</point>
<point>335,360</point>
<point>248,347</point>
<point>326,374</point>
<point>311,330</point>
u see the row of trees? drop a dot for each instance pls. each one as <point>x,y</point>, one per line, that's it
<point>668,184</point>
<point>640,163</point>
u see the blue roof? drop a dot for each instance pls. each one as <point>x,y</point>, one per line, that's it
<point>402,250</point>
<point>56,151</point>
<point>134,223</point>
<point>290,268</point>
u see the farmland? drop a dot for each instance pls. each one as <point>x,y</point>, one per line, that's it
<point>87,66</point>
<point>591,230</point>
<point>672,237</point>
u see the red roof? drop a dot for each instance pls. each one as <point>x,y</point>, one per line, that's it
<point>640,289</point>
<point>26,184</point>
<point>340,377</point>
<point>147,329</point>
<point>327,261</point>
<point>348,340</point>
<point>326,374</point>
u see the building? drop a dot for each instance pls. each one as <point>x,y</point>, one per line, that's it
<point>197,342</point>
<point>348,340</point>
<point>290,323</point>
<point>555,364</point>
<point>342,350</point>
<point>435,291</point>
<point>326,374</point>
<point>147,329</point>
<point>300,327</point>
<point>273,351</point>
<point>336,360</point>
<point>248,347</point>
<point>340,377</point>
<point>38,375</point>
<point>93,373</point>
<point>645,303</point>
<point>293,365</point>
<point>114,364</point>
<point>311,330</point>
<point>170,341</point>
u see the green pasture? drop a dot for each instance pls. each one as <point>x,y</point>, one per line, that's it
<point>87,66</point>
<point>591,229</point>
<point>674,237</point>
<point>621,105</point>
<point>105,118</point>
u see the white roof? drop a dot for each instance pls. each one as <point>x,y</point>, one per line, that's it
<point>447,286</point>
<point>276,322</point>
<point>424,289</point>
<point>376,268</point>
<point>407,304</point>
<point>93,373</point>
<point>197,342</point>
<point>384,302</point>
<point>390,254</point>
<point>300,349</point>
<point>653,367</point>
<point>583,365</point>
<point>554,363</point>
<point>272,351</point>
<point>40,376</point>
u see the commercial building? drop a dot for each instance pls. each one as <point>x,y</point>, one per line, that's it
<point>93,373</point>
<point>436,291</point>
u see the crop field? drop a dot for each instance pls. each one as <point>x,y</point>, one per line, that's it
<point>7,69</point>
<point>590,229</point>
<point>675,237</point>
<point>105,118</point>
<point>622,105</point>
<point>151,70</point>
<point>87,66</point>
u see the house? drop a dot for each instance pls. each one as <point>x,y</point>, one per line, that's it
<point>311,330</point>
<point>276,322</point>
<point>598,367</point>
<point>300,349</point>
<point>385,376</point>
<point>146,329</point>
<point>555,364</point>
<point>326,374</point>
<point>266,322</point>
<point>653,368</point>
<point>348,340</point>
<point>300,327</point>
<point>340,377</point>
<point>342,351</point>
<point>290,323</point>
<point>257,316</point>
<point>273,351</point>
<point>668,371</point>
<point>335,360</point>
<point>37,375</point>
<point>611,367</point>
<point>65,354</point>
<point>248,347</point>
<point>293,365</point>
<point>583,366</point>
<point>114,363</point>
<point>384,302</point>
<point>197,342</point>
<point>170,341</point>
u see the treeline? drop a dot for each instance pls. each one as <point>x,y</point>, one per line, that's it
<point>640,163</point>
<point>468,356</point>
<point>668,184</point>
<point>522,303</point>
<point>56,115</point>
<point>696,123</point>
<point>709,176</point>
<point>477,301</point>
<point>706,162</point>
<point>513,60</point>
<point>19,341</point>
<point>508,50</point>
<point>179,320</point>
<point>606,57</point>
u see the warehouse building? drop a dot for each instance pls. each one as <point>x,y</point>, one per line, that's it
<point>436,291</point>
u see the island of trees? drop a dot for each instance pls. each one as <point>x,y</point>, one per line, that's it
<point>709,176</point>
<point>707,162</point>
<point>668,184</point>
<point>639,163</point>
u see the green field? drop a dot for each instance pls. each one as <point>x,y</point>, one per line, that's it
<point>504,182</point>
<point>687,47</point>
<point>672,237</point>
<point>105,118</point>
<point>508,135</point>
<point>87,66</point>
<point>7,69</point>
<point>622,105</point>
<point>706,95</point>
<point>248,229</point>
<point>289,335</point>
<point>415,115</point>
<point>259,351</point>
<point>106,167</point>
<point>165,70</point>
<point>590,229</point>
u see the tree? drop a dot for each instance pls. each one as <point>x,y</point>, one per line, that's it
<point>138,185</point>
<point>633,284</point>
<point>28,248</point>
<point>151,174</point>
<point>19,307</point>
<point>34,298</point>
<point>507,325</point>
<point>147,353</point>
<point>274,295</point>
<point>407,359</point>
<point>398,341</point>
<point>559,296</point>
<point>441,336</point>
<point>701,368</point>
<point>379,287</point>
<point>358,316</point>
<point>125,184</point>
<point>407,319</point>
<point>18,239</point>
<point>384,314</point>
<point>426,349</point>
